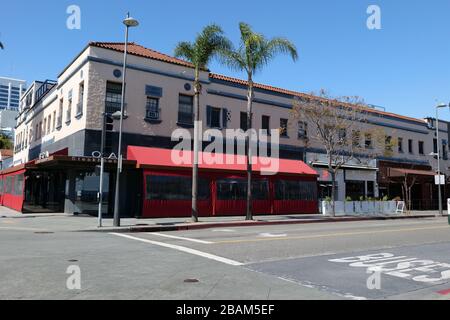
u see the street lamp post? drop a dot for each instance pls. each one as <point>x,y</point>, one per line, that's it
<point>439,157</point>
<point>128,22</point>
<point>102,169</point>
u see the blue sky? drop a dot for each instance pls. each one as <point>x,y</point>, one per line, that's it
<point>404,67</point>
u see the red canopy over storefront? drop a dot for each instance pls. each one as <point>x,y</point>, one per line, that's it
<point>165,158</point>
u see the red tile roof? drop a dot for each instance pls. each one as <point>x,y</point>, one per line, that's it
<point>141,51</point>
<point>300,94</point>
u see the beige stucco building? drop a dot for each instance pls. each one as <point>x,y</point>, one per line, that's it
<point>66,117</point>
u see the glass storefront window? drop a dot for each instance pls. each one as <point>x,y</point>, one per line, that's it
<point>18,185</point>
<point>86,192</point>
<point>236,189</point>
<point>175,188</point>
<point>295,190</point>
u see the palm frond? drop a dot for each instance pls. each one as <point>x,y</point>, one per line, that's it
<point>185,50</point>
<point>282,45</point>
<point>207,45</point>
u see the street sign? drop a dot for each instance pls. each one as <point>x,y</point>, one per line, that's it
<point>440,181</point>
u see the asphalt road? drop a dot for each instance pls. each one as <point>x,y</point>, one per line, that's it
<point>353,260</point>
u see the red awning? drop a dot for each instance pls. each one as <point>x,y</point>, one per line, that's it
<point>165,158</point>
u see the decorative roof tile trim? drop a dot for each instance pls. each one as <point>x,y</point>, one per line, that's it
<point>300,94</point>
<point>138,50</point>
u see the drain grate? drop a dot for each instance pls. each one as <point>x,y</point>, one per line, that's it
<point>44,232</point>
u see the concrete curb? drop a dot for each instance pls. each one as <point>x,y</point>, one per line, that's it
<point>234,224</point>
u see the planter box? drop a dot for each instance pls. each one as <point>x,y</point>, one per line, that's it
<point>359,208</point>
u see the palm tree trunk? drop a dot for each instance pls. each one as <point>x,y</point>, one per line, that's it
<point>249,215</point>
<point>197,91</point>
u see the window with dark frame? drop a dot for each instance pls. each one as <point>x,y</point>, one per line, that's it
<point>342,136</point>
<point>410,146</point>
<point>214,117</point>
<point>186,110</point>
<point>421,148</point>
<point>243,121</point>
<point>60,116</point>
<point>80,99</point>
<point>400,145</point>
<point>152,111</point>
<point>295,190</point>
<point>284,127</point>
<point>368,141</point>
<point>388,143</point>
<point>444,150</point>
<point>113,97</point>
<point>265,126</point>
<point>175,188</point>
<point>302,130</point>
<point>236,189</point>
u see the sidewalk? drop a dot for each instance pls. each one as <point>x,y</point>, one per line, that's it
<point>68,222</point>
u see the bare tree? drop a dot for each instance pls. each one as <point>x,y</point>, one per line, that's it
<point>338,125</point>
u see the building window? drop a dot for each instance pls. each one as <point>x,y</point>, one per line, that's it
<point>60,116</point>
<point>355,189</point>
<point>69,112</point>
<point>175,188</point>
<point>284,127</point>
<point>79,111</point>
<point>410,146</point>
<point>435,146</point>
<point>295,190</point>
<point>388,143</point>
<point>186,110</point>
<point>421,149</point>
<point>444,150</point>
<point>236,189</point>
<point>113,98</point>
<point>44,128</point>
<point>400,145</point>
<point>302,130</point>
<point>213,117</point>
<point>368,141</point>
<point>265,124</point>
<point>356,138</point>
<point>243,121</point>
<point>49,122</point>
<point>54,121</point>
<point>152,111</point>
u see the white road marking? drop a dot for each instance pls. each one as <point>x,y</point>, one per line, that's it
<point>223,230</point>
<point>180,238</point>
<point>272,235</point>
<point>183,249</point>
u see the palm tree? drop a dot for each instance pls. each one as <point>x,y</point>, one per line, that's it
<point>207,44</point>
<point>255,51</point>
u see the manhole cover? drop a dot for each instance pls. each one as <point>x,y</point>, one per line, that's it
<point>191,281</point>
